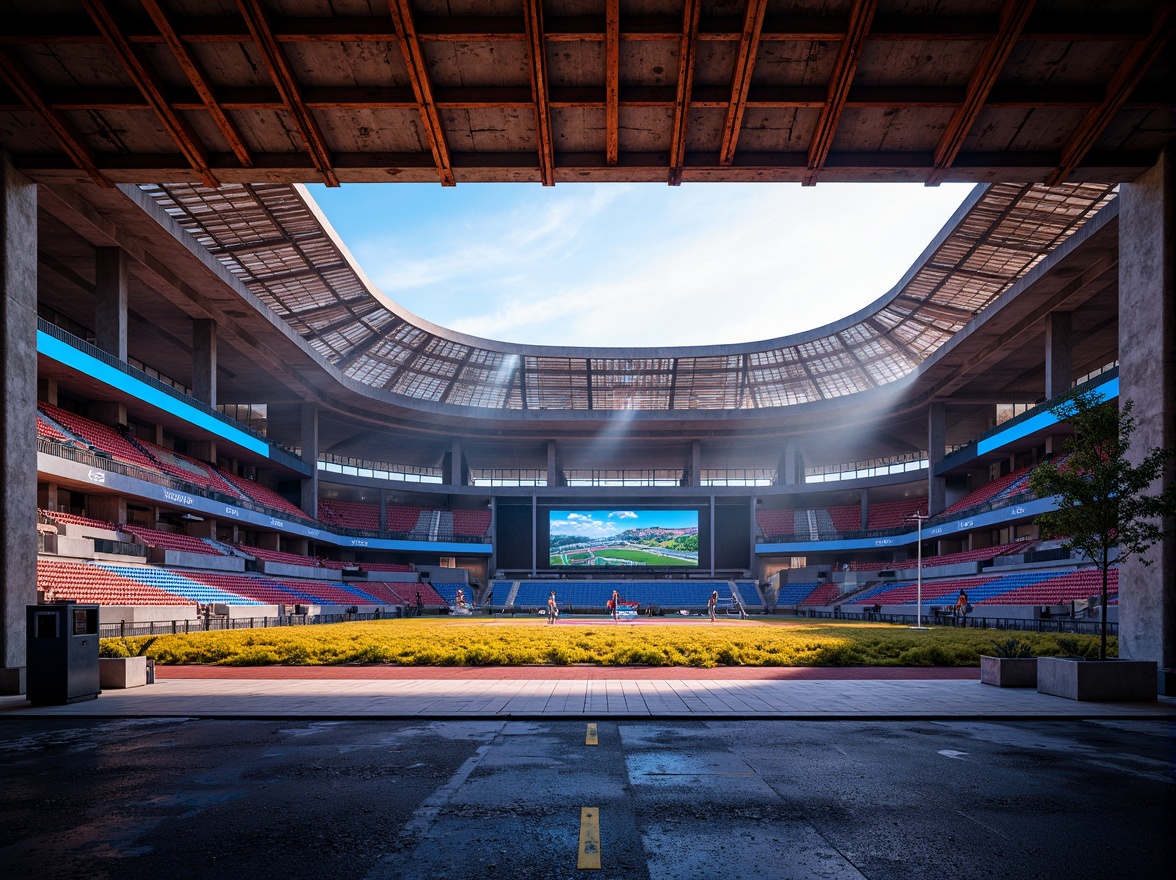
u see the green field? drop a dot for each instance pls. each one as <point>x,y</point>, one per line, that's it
<point>643,557</point>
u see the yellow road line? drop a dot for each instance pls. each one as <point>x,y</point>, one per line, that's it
<point>590,739</point>
<point>589,839</point>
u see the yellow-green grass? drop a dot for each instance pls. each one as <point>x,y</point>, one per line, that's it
<point>530,642</point>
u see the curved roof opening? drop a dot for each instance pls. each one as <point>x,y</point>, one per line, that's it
<point>618,265</point>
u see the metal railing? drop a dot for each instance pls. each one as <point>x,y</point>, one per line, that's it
<point>124,630</point>
<point>278,453</point>
<point>1069,625</point>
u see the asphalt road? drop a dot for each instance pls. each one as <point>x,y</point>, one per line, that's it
<point>173,799</point>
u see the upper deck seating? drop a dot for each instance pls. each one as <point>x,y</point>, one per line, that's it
<point>171,540</point>
<point>66,518</point>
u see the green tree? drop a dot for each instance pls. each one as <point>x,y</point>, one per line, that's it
<point>1102,499</point>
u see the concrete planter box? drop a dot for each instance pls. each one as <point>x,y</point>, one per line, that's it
<point>115,673</point>
<point>1008,672</point>
<point>1113,680</point>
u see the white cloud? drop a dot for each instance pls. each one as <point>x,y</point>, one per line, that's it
<point>623,514</point>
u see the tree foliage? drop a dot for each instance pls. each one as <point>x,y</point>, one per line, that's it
<point>1104,509</point>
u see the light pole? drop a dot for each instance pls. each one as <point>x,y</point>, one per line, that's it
<point>919,517</point>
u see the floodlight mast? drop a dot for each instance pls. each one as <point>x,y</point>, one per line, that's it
<point>919,518</point>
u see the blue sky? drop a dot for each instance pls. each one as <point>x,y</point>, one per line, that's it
<point>603,523</point>
<point>636,264</point>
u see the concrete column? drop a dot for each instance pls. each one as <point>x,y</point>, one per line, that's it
<point>47,391</point>
<point>789,469</point>
<point>204,361</point>
<point>695,463</point>
<point>1147,376</point>
<point>108,412</point>
<point>47,496</point>
<point>111,508</point>
<point>18,412</point>
<point>110,307</point>
<point>309,501</point>
<point>203,450</point>
<point>554,466</point>
<point>455,474</point>
<point>936,447</point>
<point>1059,353</point>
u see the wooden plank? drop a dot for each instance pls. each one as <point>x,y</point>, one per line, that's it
<point>422,88</point>
<point>63,130</point>
<point>687,49</point>
<point>148,82</point>
<point>839,83</point>
<point>283,76</point>
<point>1013,17</point>
<point>199,79</point>
<point>612,80</point>
<point>753,22</point>
<point>537,53</point>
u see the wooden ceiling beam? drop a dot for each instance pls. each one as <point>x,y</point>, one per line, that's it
<point>753,22</point>
<point>282,74</point>
<point>63,130</point>
<point>687,49</point>
<point>422,88</point>
<point>1044,27</point>
<point>1141,57</point>
<point>499,97</point>
<point>612,80</point>
<point>1013,17</point>
<point>199,79</point>
<point>149,83</point>
<point>844,69</point>
<point>537,52</point>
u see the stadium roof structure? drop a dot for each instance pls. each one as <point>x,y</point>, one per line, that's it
<point>273,240</point>
<point>250,91</point>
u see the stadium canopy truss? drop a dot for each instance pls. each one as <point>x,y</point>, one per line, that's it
<point>271,237</point>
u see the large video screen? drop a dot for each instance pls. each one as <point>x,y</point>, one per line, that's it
<point>600,537</point>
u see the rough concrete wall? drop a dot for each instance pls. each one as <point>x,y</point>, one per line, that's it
<point>1147,375</point>
<point>18,375</point>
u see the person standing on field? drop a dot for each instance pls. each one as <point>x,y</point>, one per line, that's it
<point>552,608</point>
<point>711,603</point>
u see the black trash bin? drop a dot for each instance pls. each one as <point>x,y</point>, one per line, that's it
<point>61,643</point>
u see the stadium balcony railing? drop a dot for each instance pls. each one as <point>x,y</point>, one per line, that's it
<point>278,453</point>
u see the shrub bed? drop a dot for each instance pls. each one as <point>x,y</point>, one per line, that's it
<point>525,643</point>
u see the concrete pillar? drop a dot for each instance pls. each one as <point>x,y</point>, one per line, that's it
<point>47,496</point>
<point>789,469</point>
<point>203,450</point>
<point>865,509</point>
<point>695,463</point>
<point>455,476</point>
<point>554,465</point>
<point>1147,376</point>
<point>269,541</point>
<point>47,391</point>
<point>204,361</point>
<point>108,412</point>
<point>1059,354</point>
<point>309,500</point>
<point>18,412</point>
<point>110,306</point>
<point>936,448</point>
<point>111,508</point>
<point>206,528</point>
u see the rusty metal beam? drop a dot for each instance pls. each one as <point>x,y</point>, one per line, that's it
<point>1013,17</point>
<point>612,80</point>
<point>844,69</point>
<point>1142,56</point>
<point>199,79</point>
<point>537,52</point>
<point>68,136</point>
<point>687,48</point>
<point>753,22</point>
<point>422,88</point>
<point>148,82</point>
<point>280,71</point>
